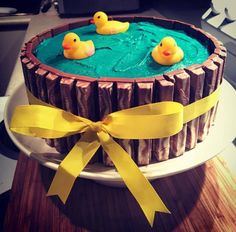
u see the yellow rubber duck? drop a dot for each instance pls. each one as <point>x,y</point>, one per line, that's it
<point>108,27</point>
<point>167,52</point>
<point>76,49</point>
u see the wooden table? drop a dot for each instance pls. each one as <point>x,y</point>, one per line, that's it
<point>202,199</point>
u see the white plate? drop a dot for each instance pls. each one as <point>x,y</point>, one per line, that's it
<point>221,134</point>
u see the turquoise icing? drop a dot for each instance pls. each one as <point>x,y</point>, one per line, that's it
<point>123,55</point>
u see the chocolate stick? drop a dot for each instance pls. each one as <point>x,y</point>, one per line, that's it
<point>181,95</point>
<point>164,92</point>
<point>124,101</point>
<point>222,52</point>
<point>220,64</point>
<point>144,146</point>
<point>209,85</point>
<point>105,97</point>
<point>54,98</point>
<point>197,77</point>
<point>68,100</point>
<point>40,75</point>
<point>30,75</point>
<point>85,97</point>
<point>24,62</point>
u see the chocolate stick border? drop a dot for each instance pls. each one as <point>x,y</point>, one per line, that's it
<point>34,71</point>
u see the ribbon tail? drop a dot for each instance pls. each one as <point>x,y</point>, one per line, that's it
<point>135,181</point>
<point>71,167</point>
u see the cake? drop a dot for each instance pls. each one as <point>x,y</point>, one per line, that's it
<point>122,74</point>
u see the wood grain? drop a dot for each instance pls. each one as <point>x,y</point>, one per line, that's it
<point>202,199</point>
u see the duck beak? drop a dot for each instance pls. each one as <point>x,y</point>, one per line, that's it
<point>166,53</point>
<point>92,21</point>
<point>66,46</point>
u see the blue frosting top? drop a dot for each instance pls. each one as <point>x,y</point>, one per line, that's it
<point>124,55</point>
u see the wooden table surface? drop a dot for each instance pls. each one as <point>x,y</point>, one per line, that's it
<point>202,199</point>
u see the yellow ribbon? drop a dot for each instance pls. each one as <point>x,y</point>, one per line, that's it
<point>149,121</point>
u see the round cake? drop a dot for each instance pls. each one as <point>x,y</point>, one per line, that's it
<point>122,74</point>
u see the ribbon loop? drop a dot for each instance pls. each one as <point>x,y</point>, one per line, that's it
<point>156,120</point>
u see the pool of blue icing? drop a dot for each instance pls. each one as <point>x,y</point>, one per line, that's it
<point>124,55</point>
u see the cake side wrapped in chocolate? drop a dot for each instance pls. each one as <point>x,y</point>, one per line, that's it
<point>94,97</point>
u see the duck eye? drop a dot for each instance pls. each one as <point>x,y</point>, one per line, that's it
<point>74,40</point>
<point>99,17</point>
<point>161,44</point>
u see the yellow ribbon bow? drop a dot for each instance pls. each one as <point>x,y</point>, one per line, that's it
<point>151,121</point>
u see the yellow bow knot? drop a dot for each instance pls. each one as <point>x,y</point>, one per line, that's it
<point>96,126</point>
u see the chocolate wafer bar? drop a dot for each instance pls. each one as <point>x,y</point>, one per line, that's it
<point>163,92</point>
<point>54,98</point>
<point>211,71</point>
<point>220,64</point>
<point>24,62</point>
<point>125,101</point>
<point>68,100</point>
<point>40,75</point>
<point>144,95</point>
<point>106,99</point>
<point>30,70</point>
<point>197,77</point>
<point>181,95</point>
<point>85,103</point>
